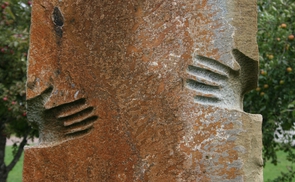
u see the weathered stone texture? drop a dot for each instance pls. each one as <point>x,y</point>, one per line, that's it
<point>143,91</point>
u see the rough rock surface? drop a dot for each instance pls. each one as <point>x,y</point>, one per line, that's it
<point>143,91</point>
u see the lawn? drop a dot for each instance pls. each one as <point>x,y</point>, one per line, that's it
<point>16,174</point>
<point>270,171</point>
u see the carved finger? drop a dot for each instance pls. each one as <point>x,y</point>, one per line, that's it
<point>204,92</point>
<point>206,100</point>
<point>206,76</point>
<point>82,126</point>
<point>212,65</point>
<point>68,108</point>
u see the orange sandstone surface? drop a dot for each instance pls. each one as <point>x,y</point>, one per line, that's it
<point>139,90</point>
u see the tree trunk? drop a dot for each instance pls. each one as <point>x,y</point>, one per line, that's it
<point>5,169</point>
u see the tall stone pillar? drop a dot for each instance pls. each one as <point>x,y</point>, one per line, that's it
<point>139,90</point>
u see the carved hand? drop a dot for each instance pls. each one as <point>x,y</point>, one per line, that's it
<point>61,122</point>
<point>219,85</point>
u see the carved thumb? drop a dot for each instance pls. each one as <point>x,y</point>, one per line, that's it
<point>248,73</point>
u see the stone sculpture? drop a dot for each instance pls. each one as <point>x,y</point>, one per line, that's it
<point>143,91</point>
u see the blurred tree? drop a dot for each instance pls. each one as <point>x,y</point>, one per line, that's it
<point>275,96</point>
<point>14,38</point>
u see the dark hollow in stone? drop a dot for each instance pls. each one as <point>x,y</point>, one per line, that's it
<point>58,19</point>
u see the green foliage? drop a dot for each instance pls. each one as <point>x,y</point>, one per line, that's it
<point>275,96</point>
<point>14,38</point>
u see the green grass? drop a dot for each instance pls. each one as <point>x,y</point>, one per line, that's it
<point>16,174</point>
<point>270,171</point>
